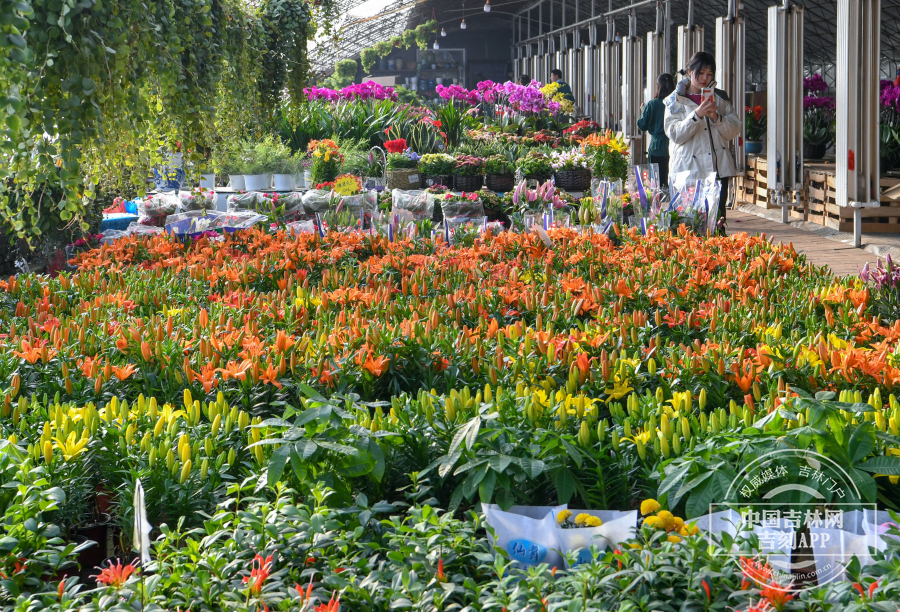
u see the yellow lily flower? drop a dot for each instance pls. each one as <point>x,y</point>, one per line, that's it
<point>618,390</point>
<point>71,447</point>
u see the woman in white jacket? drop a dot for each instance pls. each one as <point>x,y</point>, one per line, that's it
<point>699,130</point>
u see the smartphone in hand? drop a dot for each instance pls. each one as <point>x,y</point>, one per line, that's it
<point>706,94</point>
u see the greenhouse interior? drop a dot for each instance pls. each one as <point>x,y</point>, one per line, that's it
<point>431,305</point>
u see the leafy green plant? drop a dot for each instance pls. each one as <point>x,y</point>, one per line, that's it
<point>498,164</point>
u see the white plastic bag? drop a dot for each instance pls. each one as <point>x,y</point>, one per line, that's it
<point>415,202</point>
<point>617,527</point>
<point>526,533</point>
<point>316,200</point>
<point>776,537</point>
<point>835,543</point>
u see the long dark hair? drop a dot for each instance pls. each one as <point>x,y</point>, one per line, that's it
<point>665,85</point>
<point>699,61</point>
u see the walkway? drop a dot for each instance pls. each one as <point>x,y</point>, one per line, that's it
<point>843,259</point>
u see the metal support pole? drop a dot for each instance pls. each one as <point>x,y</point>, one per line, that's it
<point>730,71</point>
<point>632,84</point>
<point>784,133</point>
<point>857,149</point>
<point>610,94</point>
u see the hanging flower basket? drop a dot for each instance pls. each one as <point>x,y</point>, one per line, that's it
<point>438,179</point>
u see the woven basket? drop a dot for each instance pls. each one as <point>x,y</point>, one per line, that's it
<point>540,178</point>
<point>401,179</point>
<point>500,182</point>
<point>467,183</point>
<point>438,179</point>
<point>573,180</point>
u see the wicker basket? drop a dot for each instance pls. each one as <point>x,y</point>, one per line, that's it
<point>438,179</point>
<point>500,182</point>
<point>573,180</point>
<point>467,183</point>
<point>403,178</point>
<point>540,178</point>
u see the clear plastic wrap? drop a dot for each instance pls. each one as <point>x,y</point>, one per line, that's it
<point>198,200</point>
<point>418,203</point>
<point>316,201</point>
<point>463,230</point>
<point>302,227</point>
<point>456,207</point>
<point>193,222</point>
<point>159,204</point>
<point>243,201</point>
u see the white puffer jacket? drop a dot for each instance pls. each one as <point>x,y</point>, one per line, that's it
<point>699,144</point>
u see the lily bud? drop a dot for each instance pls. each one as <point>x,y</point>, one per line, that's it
<point>48,452</point>
<point>584,435</point>
<point>185,472</point>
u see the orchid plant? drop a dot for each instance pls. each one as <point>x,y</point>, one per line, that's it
<point>537,200</point>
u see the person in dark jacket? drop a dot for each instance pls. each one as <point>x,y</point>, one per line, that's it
<point>652,121</point>
<point>564,89</point>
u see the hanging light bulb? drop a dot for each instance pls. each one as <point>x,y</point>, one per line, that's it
<point>436,45</point>
<point>487,6</point>
<point>462,26</point>
<point>443,32</point>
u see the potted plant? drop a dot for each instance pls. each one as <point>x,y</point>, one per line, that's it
<point>500,173</point>
<point>284,171</point>
<point>607,156</point>
<point>754,129</point>
<point>402,166</point>
<point>437,168</point>
<point>326,161</point>
<point>468,173</point>
<point>535,165</point>
<point>571,170</point>
<point>261,160</point>
<point>226,161</point>
<point>818,117</point>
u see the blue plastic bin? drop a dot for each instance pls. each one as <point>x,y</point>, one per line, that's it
<point>116,221</point>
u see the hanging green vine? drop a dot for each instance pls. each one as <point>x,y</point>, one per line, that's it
<point>420,36</point>
<point>93,88</point>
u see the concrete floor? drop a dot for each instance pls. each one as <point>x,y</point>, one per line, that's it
<point>843,259</point>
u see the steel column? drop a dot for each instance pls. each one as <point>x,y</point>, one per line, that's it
<point>857,150</point>
<point>784,137</point>
<point>730,73</point>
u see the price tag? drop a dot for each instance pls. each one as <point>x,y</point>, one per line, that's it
<point>542,234</point>
<point>413,178</point>
<point>346,184</point>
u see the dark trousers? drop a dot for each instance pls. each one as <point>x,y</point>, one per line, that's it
<point>663,162</point>
<point>724,182</point>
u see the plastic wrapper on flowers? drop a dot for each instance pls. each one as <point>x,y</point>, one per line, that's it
<point>463,206</point>
<point>463,231</point>
<point>528,534</point>
<point>198,200</point>
<point>776,536</point>
<point>316,200</point>
<point>415,202</point>
<point>307,226</point>
<point>837,539</point>
<point>154,209</point>
<point>617,527</point>
<point>695,199</point>
<point>243,201</point>
<point>195,223</point>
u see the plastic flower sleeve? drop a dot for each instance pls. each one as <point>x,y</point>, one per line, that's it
<point>316,200</point>
<point>617,527</point>
<point>835,543</point>
<point>461,230</point>
<point>528,534</point>
<point>416,202</point>
<point>457,207</point>
<point>302,227</point>
<point>242,201</point>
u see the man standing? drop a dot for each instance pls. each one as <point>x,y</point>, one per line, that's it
<point>564,89</point>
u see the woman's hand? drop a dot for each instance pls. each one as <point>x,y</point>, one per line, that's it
<point>708,108</point>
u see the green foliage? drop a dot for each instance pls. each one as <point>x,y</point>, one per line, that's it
<point>97,90</point>
<point>368,57</point>
<point>344,73</point>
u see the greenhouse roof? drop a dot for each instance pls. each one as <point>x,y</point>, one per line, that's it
<point>819,41</point>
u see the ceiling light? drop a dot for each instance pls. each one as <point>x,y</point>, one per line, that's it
<point>436,45</point>
<point>462,26</point>
<point>487,6</point>
<point>443,32</point>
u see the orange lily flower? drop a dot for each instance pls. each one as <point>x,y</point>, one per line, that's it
<point>375,367</point>
<point>122,373</point>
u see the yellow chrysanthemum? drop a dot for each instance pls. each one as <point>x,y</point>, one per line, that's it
<point>674,539</point>
<point>666,519</point>
<point>679,523</point>
<point>581,519</point>
<point>593,521</point>
<point>683,531</point>
<point>649,506</point>
<point>653,521</point>
<point>563,516</point>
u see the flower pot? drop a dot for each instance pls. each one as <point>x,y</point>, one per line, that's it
<point>208,181</point>
<point>753,147</point>
<point>814,151</point>
<point>284,182</point>
<point>403,178</point>
<point>573,180</point>
<point>170,175</point>
<point>410,65</point>
<point>258,182</point>
<point>236,182</point>
<point>467,183</point>
<point>382,64</point>
<point>500,182</point>
<point>438,179</point>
